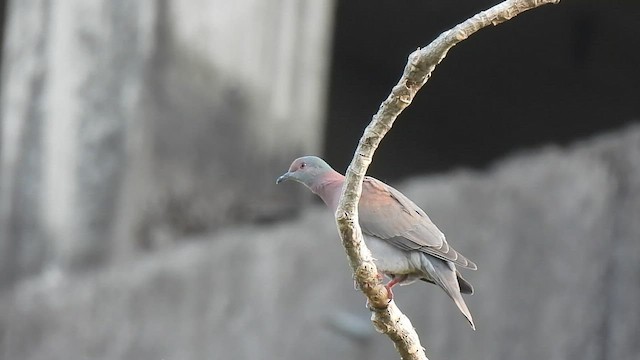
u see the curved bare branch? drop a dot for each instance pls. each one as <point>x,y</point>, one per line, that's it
<point>387,318</point>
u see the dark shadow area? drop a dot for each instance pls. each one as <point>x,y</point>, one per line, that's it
<point>551,75</point>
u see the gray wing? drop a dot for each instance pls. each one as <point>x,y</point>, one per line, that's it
<point>386,213</point>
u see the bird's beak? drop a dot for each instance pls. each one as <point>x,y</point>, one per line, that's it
<point>284,177</point>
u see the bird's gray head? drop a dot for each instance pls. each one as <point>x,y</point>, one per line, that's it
<point>306,170</point>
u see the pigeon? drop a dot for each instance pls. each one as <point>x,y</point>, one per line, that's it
<point>405,244</point>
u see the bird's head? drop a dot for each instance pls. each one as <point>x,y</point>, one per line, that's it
<point>306,170</point>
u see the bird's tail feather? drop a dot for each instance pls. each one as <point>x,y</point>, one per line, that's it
<point>465,286</point>
<point>445,275</point>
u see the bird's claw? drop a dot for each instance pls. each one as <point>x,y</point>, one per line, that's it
<point>389,293</point>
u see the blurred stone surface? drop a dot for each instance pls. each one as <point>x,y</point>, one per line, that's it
<point>128,124</point>
<point>554,232</point>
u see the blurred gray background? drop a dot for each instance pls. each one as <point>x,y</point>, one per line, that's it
<point>140,142</point>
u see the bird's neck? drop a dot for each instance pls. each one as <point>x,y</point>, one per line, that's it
<point>328,188</point>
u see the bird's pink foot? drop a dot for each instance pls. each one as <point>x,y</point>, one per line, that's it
<point>396,280</point>
<point>389,292</point>
<point>380,277</point>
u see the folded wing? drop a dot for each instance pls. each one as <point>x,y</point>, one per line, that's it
<point>388,214</point>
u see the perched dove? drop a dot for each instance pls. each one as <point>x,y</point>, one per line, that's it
<point>405,244</point>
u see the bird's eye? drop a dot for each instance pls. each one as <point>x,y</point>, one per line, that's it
<point>303,165</point>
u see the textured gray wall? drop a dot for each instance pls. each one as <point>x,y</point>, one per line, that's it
<point>128,124</point>
<point>555,235</point>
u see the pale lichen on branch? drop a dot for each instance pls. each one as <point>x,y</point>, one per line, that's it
<point>387,318</point>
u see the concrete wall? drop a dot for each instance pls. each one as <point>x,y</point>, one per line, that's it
<point>554,232</point>
<point>126,125</point>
